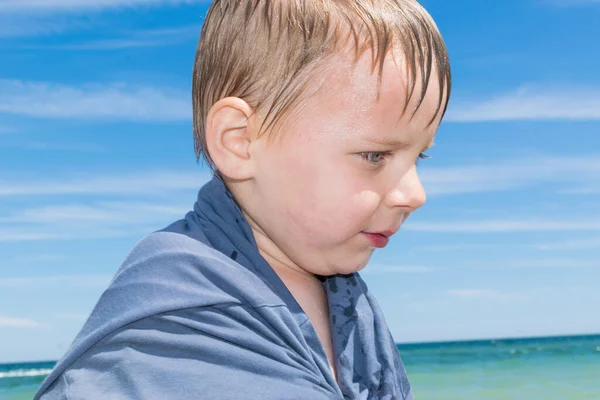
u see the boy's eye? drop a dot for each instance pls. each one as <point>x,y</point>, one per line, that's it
<point>374,157</point>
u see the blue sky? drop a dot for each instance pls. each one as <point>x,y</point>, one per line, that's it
<point>96,151</point>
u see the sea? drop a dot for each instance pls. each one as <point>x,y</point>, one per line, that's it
<point>556,368</point>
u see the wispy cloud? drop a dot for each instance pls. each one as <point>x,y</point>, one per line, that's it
<point>40,6</point>
<point>483,294</point>
<point>73,222</point>
<point>30,18</point>
<point>593,188</point>
<point>27,25</point>
<point>6,130</point>
<point>10,235</point>
<point>108,212</point>
<point>139,204</point>
<point>379,268</point>
<point>504,264</point>
<point>503,225</point>
<point>572,173</point>
<point>132,39</point>
<point>535,263</point>
<point>49,146</point>
<point>455,247</point>
<point>570,3</point>
<point>567,245</point>
<point>29,258</point>
<point>12,322</point>
<point>56,281</point>
<point>564,245</point>
<point>157,182</point>
<point>94,101</point>
<point>530,103</point>
<point>48,233</point>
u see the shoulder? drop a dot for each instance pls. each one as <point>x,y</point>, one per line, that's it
<point>176,266</point>
<point>166,273</point>
<point>217,352</point>
<point>167,244</point>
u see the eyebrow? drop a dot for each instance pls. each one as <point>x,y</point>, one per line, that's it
<point>389,142</point>
<point>398,143</point>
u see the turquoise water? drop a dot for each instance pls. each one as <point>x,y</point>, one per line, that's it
<point>20,381</point>
<point>565,368</point>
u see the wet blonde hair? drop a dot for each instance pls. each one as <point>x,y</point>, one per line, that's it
<point>265,52</point>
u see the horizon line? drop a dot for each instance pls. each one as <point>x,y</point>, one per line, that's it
<point>416,344</point>
<point>498,339</point>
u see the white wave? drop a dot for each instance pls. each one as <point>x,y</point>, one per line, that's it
<point>19,373</point>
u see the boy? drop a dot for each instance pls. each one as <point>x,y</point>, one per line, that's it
<point>312,113</point>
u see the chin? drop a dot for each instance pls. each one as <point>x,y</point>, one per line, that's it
<point>349,268</point>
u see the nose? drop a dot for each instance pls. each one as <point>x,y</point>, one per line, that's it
<point>408,192</point>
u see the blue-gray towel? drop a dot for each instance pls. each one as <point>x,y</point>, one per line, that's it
<point>195,312</point>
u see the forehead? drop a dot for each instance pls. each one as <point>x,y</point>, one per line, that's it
<point>358,88</point>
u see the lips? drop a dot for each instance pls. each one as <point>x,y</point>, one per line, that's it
<point>378,240</point>
<point>390,232</point>
<point>387,233</point>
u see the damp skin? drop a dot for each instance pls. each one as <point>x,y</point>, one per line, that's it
<point>314,194</point>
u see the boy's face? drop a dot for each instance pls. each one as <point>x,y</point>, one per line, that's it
<point>341,170</point>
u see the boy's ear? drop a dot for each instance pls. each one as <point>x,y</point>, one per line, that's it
<point>229,133</point>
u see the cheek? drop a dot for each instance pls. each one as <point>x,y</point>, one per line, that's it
<point>329,211</point>
<point>321,197</point>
